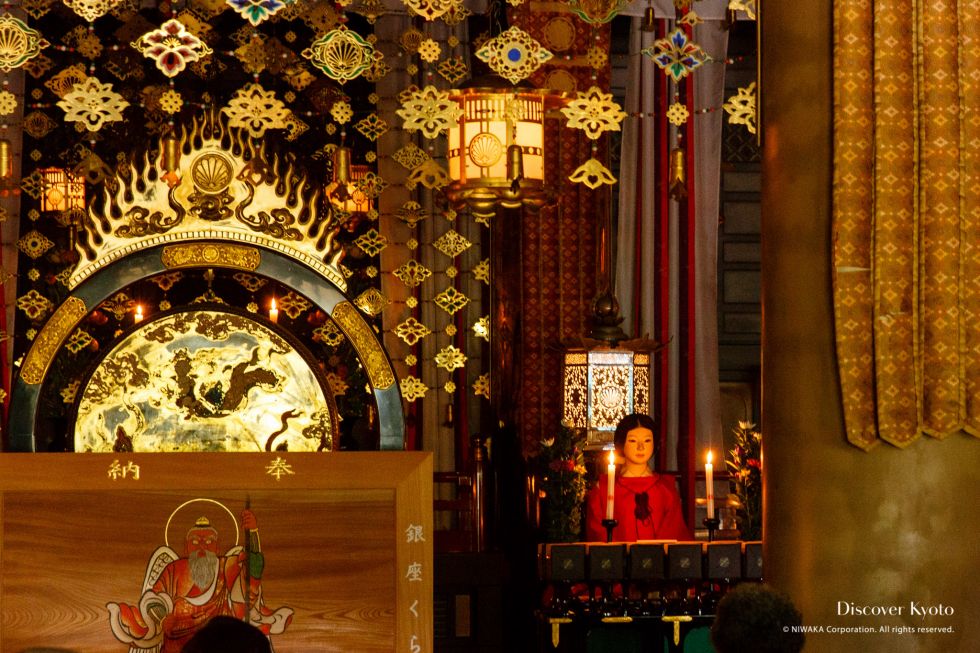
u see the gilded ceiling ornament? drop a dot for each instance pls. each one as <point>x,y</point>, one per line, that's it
<point>253,54</point>
<point>429,50</point>
<point>337,384</point>
<point>412,273</point>
<point>430,174</point>
<point>256,11</point>
<point>38,124</point>
<point>449,387</point>
<point>329,334</point>
<point>450,358</point>
<point>36,8</point>
<point>481,328</point>
<point>429,9</point>
<point>594,112</point>
<point>295,127</point>
<point>678,114</point>
<point>410,156</point>
<point>410,40</point>
<point>593,174</point>
<point>411,331</point>
<point>513,54</point>
<point>378,69</point>
<point>411,213</point>
<point>341,54</point>
<point>748,6</point>
<point>481,385</point>
<point>167,280</point>
<point>293,304</point>
<point>63,82</point>
<point>451,300</point>
<point>371,185</point>
<point>78,341</point>
<point>450,330</point>
<point>741,108</point>
<point>18,43</point>
<point>85,42</point>
<point>171,47</point>
<point>249,282</point>
<point>370,9</point>
<point>596,12</point>
<point>38,67</point>
<point>371,127</point>
<point>457,13</point>
<point>676,55</point>
<point>371,301</point>
<point>8,103</point>
<point>34,244</point>
<point>453,69</point>
<point>597,58</point>
<point>69,392</point>
<point>452,244</point>
<point>371,242</point>
<point>690,18</point>
<point>412,388</point>
<point>429,111</point>
<point>33,184</point>
<point>93,104</point>
<point>171,102</point>
<point>482,271</point>
<point>341,112</point>
<point>256,110</point>
<point>411,359</point>
<point>34,304</point>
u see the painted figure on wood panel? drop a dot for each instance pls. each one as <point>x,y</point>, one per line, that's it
<point>180,594</point>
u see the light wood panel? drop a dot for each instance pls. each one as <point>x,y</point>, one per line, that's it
<point>334,533</point>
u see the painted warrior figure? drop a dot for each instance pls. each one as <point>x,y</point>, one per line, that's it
<point>181,594</point>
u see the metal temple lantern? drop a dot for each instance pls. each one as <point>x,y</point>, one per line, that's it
<point>497,148</point>
<point>62,191</point>
<point>601,386</point>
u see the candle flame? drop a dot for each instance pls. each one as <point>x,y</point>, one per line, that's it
<point>709,456</point>
<point>612,457</point>
<point>273,305</point>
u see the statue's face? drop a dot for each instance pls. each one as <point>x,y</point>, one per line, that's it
<point>638,447</point>
<point>200,540</point>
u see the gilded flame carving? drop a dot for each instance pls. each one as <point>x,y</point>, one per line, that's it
<point>366,343</point>
<point>228,188</point>
<point>46,344</point>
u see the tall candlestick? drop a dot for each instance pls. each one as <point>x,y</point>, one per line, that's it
<point>273,311</point>
<point>709,485</point>
<point>610,485</point>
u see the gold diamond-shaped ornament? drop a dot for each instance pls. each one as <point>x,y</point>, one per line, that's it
<point>513,54</point>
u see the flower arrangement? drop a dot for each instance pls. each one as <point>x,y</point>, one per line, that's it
<point>745,465</point>
<point>562,473</point>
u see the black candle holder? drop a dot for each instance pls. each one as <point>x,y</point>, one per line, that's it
<point>610,524</point>
<point>712,525</point>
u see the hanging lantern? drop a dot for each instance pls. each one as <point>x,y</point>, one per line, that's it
<point>63,190</point>
<point>497,149</point>
<point>343,192</point>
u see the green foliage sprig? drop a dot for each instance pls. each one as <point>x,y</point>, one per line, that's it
<point>562,471</point>
<point>745,466</point>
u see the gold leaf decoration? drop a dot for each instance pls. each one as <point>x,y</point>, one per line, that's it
<point>429,50</point>
<point>34,304</point>
<point>93,104</point>
<point>256,110</point>
<point>481,328</point>
<point>411,213</point>
<point>593,174</point>
<point>18,43</point>
<point>69,392</point>
<point>748,6</point>
<point>451,300</point>
<point>410,156</point>
<point>78,341</point>
<point>412,273</point>
<point>34,244</point>
<point>450,358</point>
<point>372,127</point>
<point>91,9</point>
<point>429,9</point>
<point>513,54</point>
<point>453,69</point>
<point>429,111</point>
<point>120,305</point>
<point>412,388</point>
<point>371,242</point>
<point>341,112</point>
<point>171,47</point>
<point>411,331</point>
<point>594,112</point>
<point>678,114</point>
<point>63,82</point>
<point>482,271</point>
<point>452,244</point>
<point>341,54</point>
<point>293,304</point>
<point>481,385</point>
<point>337,385</point>
<point>741,108</point>
<point>430,174</point>
<point>329,334</point>
<point>371,301</point>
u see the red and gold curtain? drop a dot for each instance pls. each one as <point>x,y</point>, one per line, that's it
<point>907,218</point>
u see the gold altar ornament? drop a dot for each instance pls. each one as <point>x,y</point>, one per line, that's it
<point>513,54</point>
<point>481,328</point>
<point>256,110</point>
<point>748,6</point>
<point>8,103</point>
<point>18,43</point>
<point>34,304</point>
<point>451,300</point>
<point>412,388</point>
<point>372,301</point>
<point>452,244</point>
<point>429,51</point>
<point>341,112</point>
<point>595,12</point>
<point>430,174</point>
<point>677,179</point>
<point>741,108</point>
<point>55,330</point>
<point>450,358</point>
<point>690,18</point>
<point>371,242</point>
<point>411,331</point>
<point>496,151</point>
<point>429,111</point>
<point>412,273</point>
<point>429,9</point>
<point>341,54</point>
<point>482,271</point>
<point>678,114</point>
<point>371,127</point>
<point>91,9</point>
<point>452,69</point>
<point>411,213</point>
<point>410,156</point>
<point>367,346</point>
<point>34,244</point>
<point>481,385</point>
<point>593,174</point>
<point>171,47</point>
<point>594,112</point>
<point>92,104</point>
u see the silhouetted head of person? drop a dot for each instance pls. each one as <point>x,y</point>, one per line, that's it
<point>755,618</point>
<point>228,635</point>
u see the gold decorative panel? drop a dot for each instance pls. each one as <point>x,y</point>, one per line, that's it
<point>47,342</point>
<point>203,254</point>
<point>204,380</point>
<point>366,343</point>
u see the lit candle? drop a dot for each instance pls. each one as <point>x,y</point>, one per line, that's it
<point>709,485</point>
<point>273,311</point>
<point>611,485</point>
<point>139,314</point>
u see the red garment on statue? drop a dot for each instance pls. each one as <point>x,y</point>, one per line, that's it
<point>666,519</point>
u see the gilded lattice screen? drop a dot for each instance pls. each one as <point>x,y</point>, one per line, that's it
<point>907,218</point>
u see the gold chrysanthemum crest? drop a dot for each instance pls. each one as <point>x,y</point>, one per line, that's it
<point>513,54</point>
<point>741,108</point>
<point>429,111</point>
<point>18,43</point>
<point>593,174</point>
<point>256,110</point>
<point>342,54</point>
<point>93,104</point>
<point>594,112</point>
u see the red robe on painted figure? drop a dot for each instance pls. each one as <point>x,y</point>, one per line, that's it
<point>657,516</point>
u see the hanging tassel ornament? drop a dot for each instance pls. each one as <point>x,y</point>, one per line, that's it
<point>677,184</point>
<point>171,160</point>
<point>649,21</point>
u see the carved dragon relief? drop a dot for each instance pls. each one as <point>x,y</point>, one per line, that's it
<point>226,187</point>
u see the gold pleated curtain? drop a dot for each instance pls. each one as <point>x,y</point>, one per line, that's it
<point>907,217</point>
